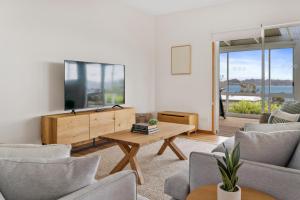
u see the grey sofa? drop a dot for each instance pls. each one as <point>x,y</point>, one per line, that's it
<point>281,182</point>
<point>119,186</point>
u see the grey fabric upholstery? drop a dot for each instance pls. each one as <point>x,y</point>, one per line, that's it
<point>280,182</point>
<point>52,151</point>
<point>272,127</point>
<point>268,148</point>
<point>119,186</point>
<point>36,179</point>
<point>1,197</point>
<point>295,160</point>
<point>177,186</point>
<point>229,144</point>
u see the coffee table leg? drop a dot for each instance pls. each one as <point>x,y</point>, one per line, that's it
<point>130,157</point>
<point>170,142</point>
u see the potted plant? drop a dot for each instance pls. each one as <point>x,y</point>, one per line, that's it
<point>153,122</point>
<point>228,189</point>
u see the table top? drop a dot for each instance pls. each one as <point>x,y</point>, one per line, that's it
<point>166,130</point>
<point>209,192</point>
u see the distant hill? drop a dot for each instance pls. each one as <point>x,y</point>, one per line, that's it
<point>258,81</point>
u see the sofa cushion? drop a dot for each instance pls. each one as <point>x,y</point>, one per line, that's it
<point>272,127</point>
<point>295,160</point>
<point>229,144</point>
<point>177,186</point>
<point>274,148</point>
<point>36,179</point>
<point>279,116</point>
<point>34,151</point>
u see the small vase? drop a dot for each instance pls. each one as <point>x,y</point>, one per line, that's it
<point>224,195</point>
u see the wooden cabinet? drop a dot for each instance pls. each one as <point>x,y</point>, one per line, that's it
<point>124,119</point>
<point>102,123</point>
<point>72,129</point>
<point>69,128</point>
<point>179,117</point>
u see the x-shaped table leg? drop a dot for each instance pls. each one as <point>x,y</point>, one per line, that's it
<point>170,143</point>
<point>130,157</point>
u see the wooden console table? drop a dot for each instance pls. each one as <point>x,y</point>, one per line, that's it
<point>180,118</point>
<point>130,144</point>
<point>209,192</point>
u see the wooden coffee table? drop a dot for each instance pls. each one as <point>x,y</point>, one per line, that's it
<point>130,144</point>
<point>209,192</point>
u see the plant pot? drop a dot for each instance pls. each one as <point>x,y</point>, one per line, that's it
<point>224,195</point>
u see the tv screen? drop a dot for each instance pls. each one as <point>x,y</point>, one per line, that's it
<point>92,85</point>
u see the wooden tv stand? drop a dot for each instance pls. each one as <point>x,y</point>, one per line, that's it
<point>68,128</point>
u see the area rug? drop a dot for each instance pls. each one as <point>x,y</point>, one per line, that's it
<point>154,168</point>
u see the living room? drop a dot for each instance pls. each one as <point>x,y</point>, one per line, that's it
<point>169,52</point>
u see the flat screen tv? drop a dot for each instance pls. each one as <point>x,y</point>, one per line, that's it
<point>93,85</point>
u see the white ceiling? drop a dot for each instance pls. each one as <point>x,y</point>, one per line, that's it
<point>160,7</point>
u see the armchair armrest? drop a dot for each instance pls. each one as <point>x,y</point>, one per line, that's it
<point>119,186</point>
<point>280,182</point>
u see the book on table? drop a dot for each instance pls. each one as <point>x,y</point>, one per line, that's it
<point>144,128</point>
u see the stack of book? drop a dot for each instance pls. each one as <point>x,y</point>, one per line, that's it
<point>144,128</point>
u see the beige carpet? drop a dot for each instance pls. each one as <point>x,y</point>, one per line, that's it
<point>155,168</point>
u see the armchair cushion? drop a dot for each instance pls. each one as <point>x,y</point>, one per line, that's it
<point>273,148</point>
<point>35,151</point>
<point>36,179</point>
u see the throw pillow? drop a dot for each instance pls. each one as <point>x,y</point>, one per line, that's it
<point>279,116</point>
<point>295,160</point>
<point>265,128</point>
<point>274,148</point>
<point>292,107</point>
<point>41,179</point>
<point>34,151</point>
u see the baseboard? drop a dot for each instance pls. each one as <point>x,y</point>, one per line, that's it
<point>206,132</point>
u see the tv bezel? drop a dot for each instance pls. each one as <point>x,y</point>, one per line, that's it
<point>89,62</point>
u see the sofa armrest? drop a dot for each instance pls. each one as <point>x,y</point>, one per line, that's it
<point>280,182</point>
<point>119,186</point>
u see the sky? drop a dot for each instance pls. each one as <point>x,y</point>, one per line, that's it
<point>247,64</point>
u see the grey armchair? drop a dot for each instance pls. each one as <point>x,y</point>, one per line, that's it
<point>280,182</point>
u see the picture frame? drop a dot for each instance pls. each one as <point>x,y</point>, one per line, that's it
<point>181,60</point>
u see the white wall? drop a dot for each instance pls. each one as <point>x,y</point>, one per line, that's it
<point>37,35</point>
<point>193,92</point>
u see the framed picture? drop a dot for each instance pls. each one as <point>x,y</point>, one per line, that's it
<point>181,58</point>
